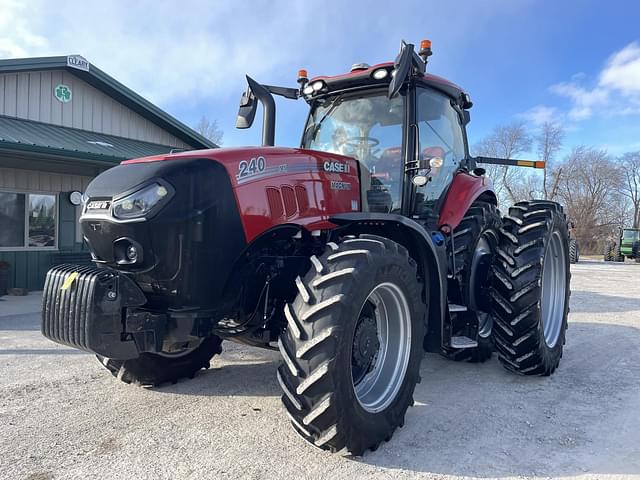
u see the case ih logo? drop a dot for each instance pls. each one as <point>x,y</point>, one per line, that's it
<point>336,167</point>
<point>98,205</point>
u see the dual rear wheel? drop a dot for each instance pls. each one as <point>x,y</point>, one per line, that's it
<point>530,290</point>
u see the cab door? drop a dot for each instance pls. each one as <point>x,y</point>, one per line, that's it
<point>439,148</point>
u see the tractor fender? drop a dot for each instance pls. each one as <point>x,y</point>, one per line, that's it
<point>426,248</point>
<point>464,190</point>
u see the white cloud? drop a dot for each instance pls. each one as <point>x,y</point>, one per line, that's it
<point>196,50</point>
<point>622,72</point>
<point>617,91</point>
<point>170,51</point>
<point>541,114</point>
<point>16,36</point>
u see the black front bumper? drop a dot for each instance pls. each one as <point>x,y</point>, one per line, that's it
<point>89,311</point>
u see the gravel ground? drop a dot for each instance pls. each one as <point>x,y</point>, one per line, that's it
<point>63,416</point>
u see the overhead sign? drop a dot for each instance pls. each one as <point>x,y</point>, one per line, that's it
<point>78,62</point>
<point>63,93</point>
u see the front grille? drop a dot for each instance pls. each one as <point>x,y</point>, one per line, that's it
<point>67,314</point>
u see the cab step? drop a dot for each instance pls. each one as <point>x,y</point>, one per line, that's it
<point>463,342</point>
<point>457,308</point>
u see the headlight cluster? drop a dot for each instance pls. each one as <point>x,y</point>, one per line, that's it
<point>140,203</point>
<point>314,87</point>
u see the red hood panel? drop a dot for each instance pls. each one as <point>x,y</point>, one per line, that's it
<point>276,185</point>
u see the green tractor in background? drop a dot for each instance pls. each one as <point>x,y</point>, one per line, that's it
<point>626,245</point>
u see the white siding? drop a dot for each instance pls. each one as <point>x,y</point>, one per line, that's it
<point>36,181</point>
<point>30,96</point>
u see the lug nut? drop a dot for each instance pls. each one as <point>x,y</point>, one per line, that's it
<point>132,253</point>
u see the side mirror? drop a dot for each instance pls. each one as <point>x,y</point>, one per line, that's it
<point>401,68</point>
<point>247,110</point>
<point>249,104</point>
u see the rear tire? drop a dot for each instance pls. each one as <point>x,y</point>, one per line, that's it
<point>151,369</point>
<point>531,288</point>
<point>341,397</point>
<point>573,251</point>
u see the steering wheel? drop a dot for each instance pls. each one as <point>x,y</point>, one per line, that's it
<point>356,142</point>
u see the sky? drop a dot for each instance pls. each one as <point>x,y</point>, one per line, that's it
<point>572,62</point>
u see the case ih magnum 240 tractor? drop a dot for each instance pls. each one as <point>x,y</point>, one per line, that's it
<point>376,240</point>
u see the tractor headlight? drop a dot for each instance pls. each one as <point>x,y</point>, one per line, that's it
<point>140,203</point>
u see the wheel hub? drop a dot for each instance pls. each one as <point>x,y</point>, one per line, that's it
<point>365,345</point>
<point>479,283</point>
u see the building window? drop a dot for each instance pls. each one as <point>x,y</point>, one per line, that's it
<point>12,211</point>
<point>42,220</point>
<point>28,221</point>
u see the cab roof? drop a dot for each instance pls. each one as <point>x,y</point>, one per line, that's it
<point>360,76</point>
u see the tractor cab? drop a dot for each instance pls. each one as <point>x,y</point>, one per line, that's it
<point>369,126</point>
<point>404,127</point>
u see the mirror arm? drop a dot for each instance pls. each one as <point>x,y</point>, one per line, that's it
<point>286,92</point>
<point>269,111</point>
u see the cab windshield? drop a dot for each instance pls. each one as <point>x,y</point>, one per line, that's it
<point>367,127</point>
<point>631,235</point>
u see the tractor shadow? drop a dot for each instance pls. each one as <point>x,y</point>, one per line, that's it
<point>482,421</point>
<point>21,321</point>
<point>591,302</point>
<point>239,371</point>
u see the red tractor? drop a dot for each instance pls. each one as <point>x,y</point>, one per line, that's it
<point>377,239</point>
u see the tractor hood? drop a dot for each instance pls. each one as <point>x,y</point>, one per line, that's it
<point>275,185</point>
<point>177,222</point>
<point>246,164</point>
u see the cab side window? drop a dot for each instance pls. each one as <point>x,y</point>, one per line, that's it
<point>441,144</point>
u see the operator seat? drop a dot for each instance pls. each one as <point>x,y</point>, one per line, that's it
<point>386,177</point>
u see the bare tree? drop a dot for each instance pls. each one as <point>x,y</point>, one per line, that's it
<point>506,141</point>
<point>549,142</point>
<point>630,188</point>
<point>209,129</point>
<point>590,192</point>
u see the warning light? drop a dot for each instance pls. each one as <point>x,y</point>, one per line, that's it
<point>303,79</point>
<point>425,50</point>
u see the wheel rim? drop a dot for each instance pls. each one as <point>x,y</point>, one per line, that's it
<point>381,347</point>
<point>190,347</point>
<point>553,289</point>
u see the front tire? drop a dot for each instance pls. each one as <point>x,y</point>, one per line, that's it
<point>353,344</point>
<point>152,369</point>
<point>530,289</point>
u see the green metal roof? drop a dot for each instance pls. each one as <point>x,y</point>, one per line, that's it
<point>110,86</point>
<point>36,137</point>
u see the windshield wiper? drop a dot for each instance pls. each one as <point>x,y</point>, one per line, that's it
<point>332,106</point>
